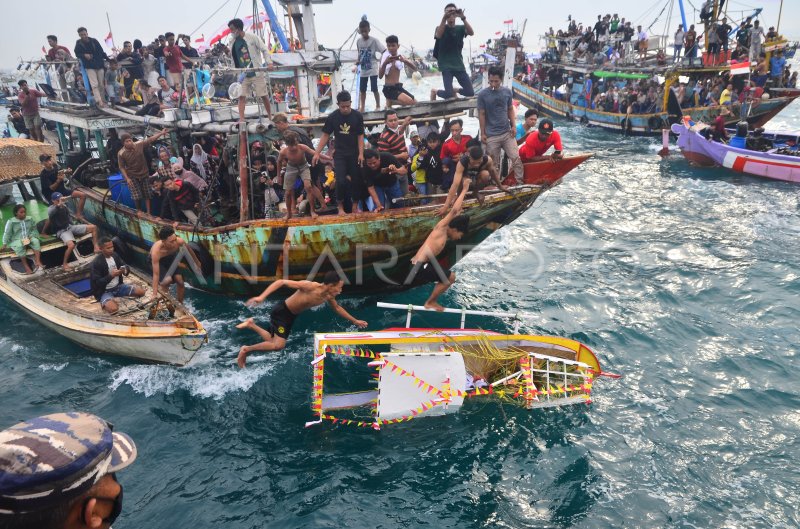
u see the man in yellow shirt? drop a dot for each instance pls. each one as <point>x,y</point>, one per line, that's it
<point>725,96</point>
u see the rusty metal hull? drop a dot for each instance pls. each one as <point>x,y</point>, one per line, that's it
<point>372,251</point>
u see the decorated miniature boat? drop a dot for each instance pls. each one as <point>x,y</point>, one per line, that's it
<point>701,151</point>
<point>431,372</point>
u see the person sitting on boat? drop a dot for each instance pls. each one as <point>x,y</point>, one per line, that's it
<point>189,176</point>
<point>182,198</point>
<point>52,181</point>
<point>165,256</point>
<point>526,125</point>
<point>392,63</point>
<point>757,142</point>
<point>475,170</point>
<point>426,268</point>
<point>133,165</point>
<point>18,122</point>
<point>59,222</point>
<point>307,295</point>
<point>167,96</point>
<point>718,132</point>
<point>20,234</point>
<point>535,147</point>
<point>106,278</point>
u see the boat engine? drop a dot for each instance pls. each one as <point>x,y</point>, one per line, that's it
<point>94,173</point>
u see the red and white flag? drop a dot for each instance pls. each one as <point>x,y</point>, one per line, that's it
<point>740,68</point>
<point>510,21</point>
<point>498,33</point>
<point>201,40</point>
<point>109,40</point>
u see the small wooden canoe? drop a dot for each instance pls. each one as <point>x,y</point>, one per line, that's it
<point>163,331</point>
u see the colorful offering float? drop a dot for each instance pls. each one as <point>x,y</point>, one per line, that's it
<point>427,372</point>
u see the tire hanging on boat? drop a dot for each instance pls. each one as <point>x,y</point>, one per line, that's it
<point>584,120</point>
<point>654,123</point>
<point>626,125</point>
<point>205,258</point>
<point>122,248</point>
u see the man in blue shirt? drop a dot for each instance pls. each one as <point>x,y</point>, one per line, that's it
<point>497,116</point>
<point>776,65</point>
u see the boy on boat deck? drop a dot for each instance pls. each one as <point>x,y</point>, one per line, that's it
<point>20,234</point>
<point>308,294</point>
<point>426,268</point>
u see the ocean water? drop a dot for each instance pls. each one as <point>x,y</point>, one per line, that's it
<point>685,281</point>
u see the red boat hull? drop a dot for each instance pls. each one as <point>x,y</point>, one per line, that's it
<point>549,172</point>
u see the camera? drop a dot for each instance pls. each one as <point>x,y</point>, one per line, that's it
<point>125,270</point>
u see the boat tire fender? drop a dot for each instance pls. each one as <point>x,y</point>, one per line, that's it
<point>205,258</point>
<point>625,124</point>
<point>654,123</point>
<point>584,120</point>
<point>122,248</point>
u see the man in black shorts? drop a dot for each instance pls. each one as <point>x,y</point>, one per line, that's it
<point>474,170</point>
<point>347,126</point>
<point>426,268</point>
<point>307,294</point>
<point>165,256</point>
<point>392,63</point>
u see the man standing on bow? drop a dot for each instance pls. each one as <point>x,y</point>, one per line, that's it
<point>497,119</point>
<point>249,51</point>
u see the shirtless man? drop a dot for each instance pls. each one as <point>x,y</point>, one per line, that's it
<point>294,158</point>
<point>308,294</point>
<point>165,255</point>
<point>391,65</point>
<point>474,169</point>
<point>451,228</point>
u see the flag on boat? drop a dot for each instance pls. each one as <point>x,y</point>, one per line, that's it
<point>251,24</point>
<point>740,68</point>
<point>109,40</point>
<point>498,33</point>
<point>201,40</point>
<point>510,21</point>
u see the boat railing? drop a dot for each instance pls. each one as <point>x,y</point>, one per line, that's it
<point>515,317</point>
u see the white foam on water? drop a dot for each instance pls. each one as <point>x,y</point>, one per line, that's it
<point>212,382</point>
<point>53,367</point>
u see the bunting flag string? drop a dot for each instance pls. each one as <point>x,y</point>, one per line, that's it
<point>358,352</point>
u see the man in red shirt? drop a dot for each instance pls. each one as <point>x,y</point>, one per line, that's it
<point>537,144</point>
<point>29,103</point>
<point>452,150</point>
<point>174,57</point>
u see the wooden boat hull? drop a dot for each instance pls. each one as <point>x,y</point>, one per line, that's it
<point>758,113</point>
<point>550,172</point>
<point>701,151</point>
<point>372,251</point>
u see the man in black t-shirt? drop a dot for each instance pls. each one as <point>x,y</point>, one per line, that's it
<point>51,180</point>
<point>347,127</point>
<point>380,178</point>
<point>723,30</point>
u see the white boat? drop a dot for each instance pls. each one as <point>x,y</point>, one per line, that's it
<point>162,331</point>
<point>432,371</point>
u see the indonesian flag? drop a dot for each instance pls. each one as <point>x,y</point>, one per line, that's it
<point>201,40</point>
<point>109,40</point>
<point>510,21</point>
<point>740,68</point>
<point>498,32</point>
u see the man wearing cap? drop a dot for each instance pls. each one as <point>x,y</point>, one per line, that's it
<point>133,166</point>
<point>52,181</point>
<point>59,472</point>
<point>58,222</point>
<point>536,145</point>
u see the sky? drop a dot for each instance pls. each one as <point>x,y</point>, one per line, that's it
<point>412,20</point>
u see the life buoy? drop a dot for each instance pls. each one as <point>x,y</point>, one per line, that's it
<point>584,120</point>
<point>122,248</point>
<point>654,123</point>
<point>206,261</point>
